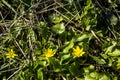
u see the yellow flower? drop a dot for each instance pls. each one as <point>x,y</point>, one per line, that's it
<point>78,52</point>
<point>11,54</point>
<point>118,65</point>
<point>49,52</point>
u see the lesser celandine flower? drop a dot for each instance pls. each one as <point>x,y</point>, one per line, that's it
<point>49,52</point>
<point>118,65</point>
<point>11,54</point>
<point>78,52</point>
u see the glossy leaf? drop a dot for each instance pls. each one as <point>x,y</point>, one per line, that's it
<point>79,37</point>
<point>39,74</point>
<point>55,18</point>
<point>113,20</point>
<point>116,52</point>
<point>88,77</point>
<point>104,77</point>
<point>94,75</point>
<point>58,28</point>
<point>69,46</point>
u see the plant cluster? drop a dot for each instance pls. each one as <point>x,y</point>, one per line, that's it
<point>59,40</point>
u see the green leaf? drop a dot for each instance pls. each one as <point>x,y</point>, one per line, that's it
<point>55,18</point>
<point>79,37</point>
<point>54,63</point>
<point>88,77</point>
<point>58,28</point>
<point>43,61</point>
<point>116,52</point>
<point>118,59</point>
<point>41,24</point>
<point>115,78</point>
<point>70,45</point>
<point>104,77</point>
<point>86,70</point>
<point>86,8</point>
<point>109,49</point>
<point>105,56</point>
<point>94,75</point>
<point>65,58</point>
<point>39,74</point>
<point>91,67</point>
<point>113,20</point>
<point>80,79</point>
<point>111,60</point>
<point>88,27</point>
<point>70,1</point>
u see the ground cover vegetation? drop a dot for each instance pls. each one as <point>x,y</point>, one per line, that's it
<point>59,39</point>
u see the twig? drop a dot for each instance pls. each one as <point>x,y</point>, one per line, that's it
<point>9,70</point>
<point>20,48</point>
<point>14,73</point>
<point>42,11</point>
<point>95,36</point>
